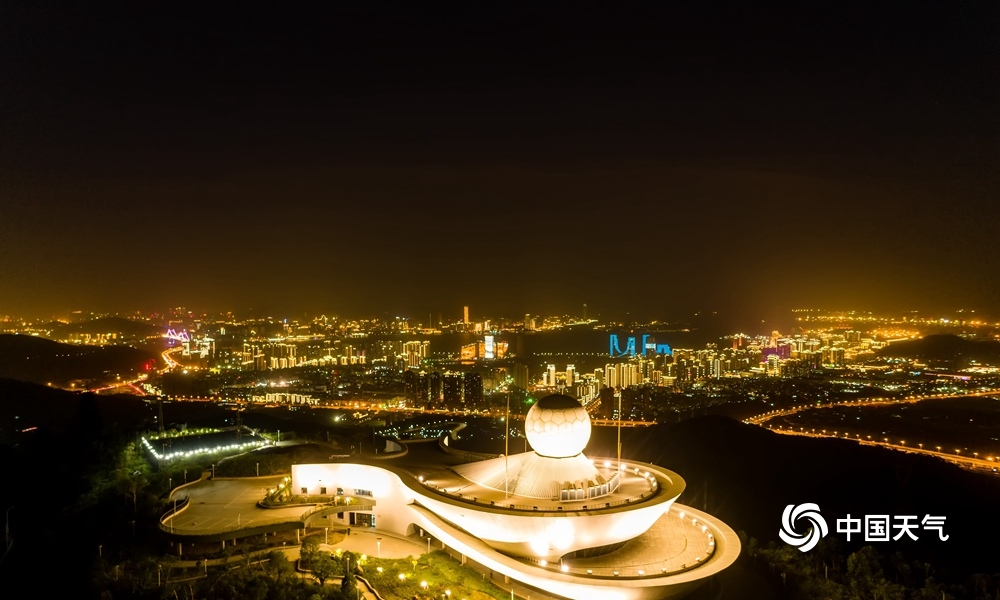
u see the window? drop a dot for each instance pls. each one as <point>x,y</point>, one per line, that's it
<point>322,490</point>
<point>305,490</point>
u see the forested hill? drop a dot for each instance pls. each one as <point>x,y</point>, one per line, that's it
<point>39,360</point>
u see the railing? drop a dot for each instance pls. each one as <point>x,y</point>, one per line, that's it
<point>175,509</point>
<point>249,525</point>
<point>384,455</point>
<point>573,494</point>
<point>654,487</point>
<point>359,505</point>
<point>369,586</point>
<point>255,523</point>
<point>315,499</point>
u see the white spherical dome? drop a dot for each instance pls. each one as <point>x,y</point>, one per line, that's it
<point>557,426</point>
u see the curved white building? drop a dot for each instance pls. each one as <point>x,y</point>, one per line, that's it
<point>552,519</point>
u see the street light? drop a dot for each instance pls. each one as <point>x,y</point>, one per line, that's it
<point>378,542</point>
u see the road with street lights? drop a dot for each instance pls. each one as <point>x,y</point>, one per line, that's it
<point>987,463</point>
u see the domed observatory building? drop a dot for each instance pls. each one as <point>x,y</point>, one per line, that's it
<point>558,429</point>
<point>551,518</point>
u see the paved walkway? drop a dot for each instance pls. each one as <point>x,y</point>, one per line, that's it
<point>378,544</point>
<point>228,504</point>
<point>671,545</point>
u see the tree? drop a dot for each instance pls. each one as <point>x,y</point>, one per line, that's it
<point>322,566</point>
<point>867,580</point>
<point>310,548</point>
<point>131,474</point>
<point>278,566</point>
<point>349,585</point>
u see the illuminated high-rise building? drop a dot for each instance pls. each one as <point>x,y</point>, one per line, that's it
<point>630,374</point>
<point>466,316</point>
<point>415,352</point>
<point>833,356</point>
<point>773,365</point>
<point>570,375</point>
<point>473,389</point>
<point>550,375</point>
<point>611,376</point>
<point>451,389</point>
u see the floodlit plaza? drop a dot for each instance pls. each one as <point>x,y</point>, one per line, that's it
<point>551,519</point>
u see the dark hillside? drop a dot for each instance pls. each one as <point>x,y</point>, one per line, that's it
<point>39,360</point>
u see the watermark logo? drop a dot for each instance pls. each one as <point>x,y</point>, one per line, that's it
<point>876,528</point>
<point>817,526</point>
<point>879,528</point>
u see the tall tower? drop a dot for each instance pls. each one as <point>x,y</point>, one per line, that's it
<point>584,312</point>
<point>466,316</point>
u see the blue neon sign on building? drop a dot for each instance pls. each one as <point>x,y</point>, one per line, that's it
<point>630,346</point>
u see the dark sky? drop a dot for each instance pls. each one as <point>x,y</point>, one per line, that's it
<point>394,159</point>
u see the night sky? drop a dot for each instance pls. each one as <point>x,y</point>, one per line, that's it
<point>399,160</point>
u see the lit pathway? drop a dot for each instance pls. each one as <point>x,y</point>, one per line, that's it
<point>784,412</point>
<point>671,545</point>
<point>989,463</point>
